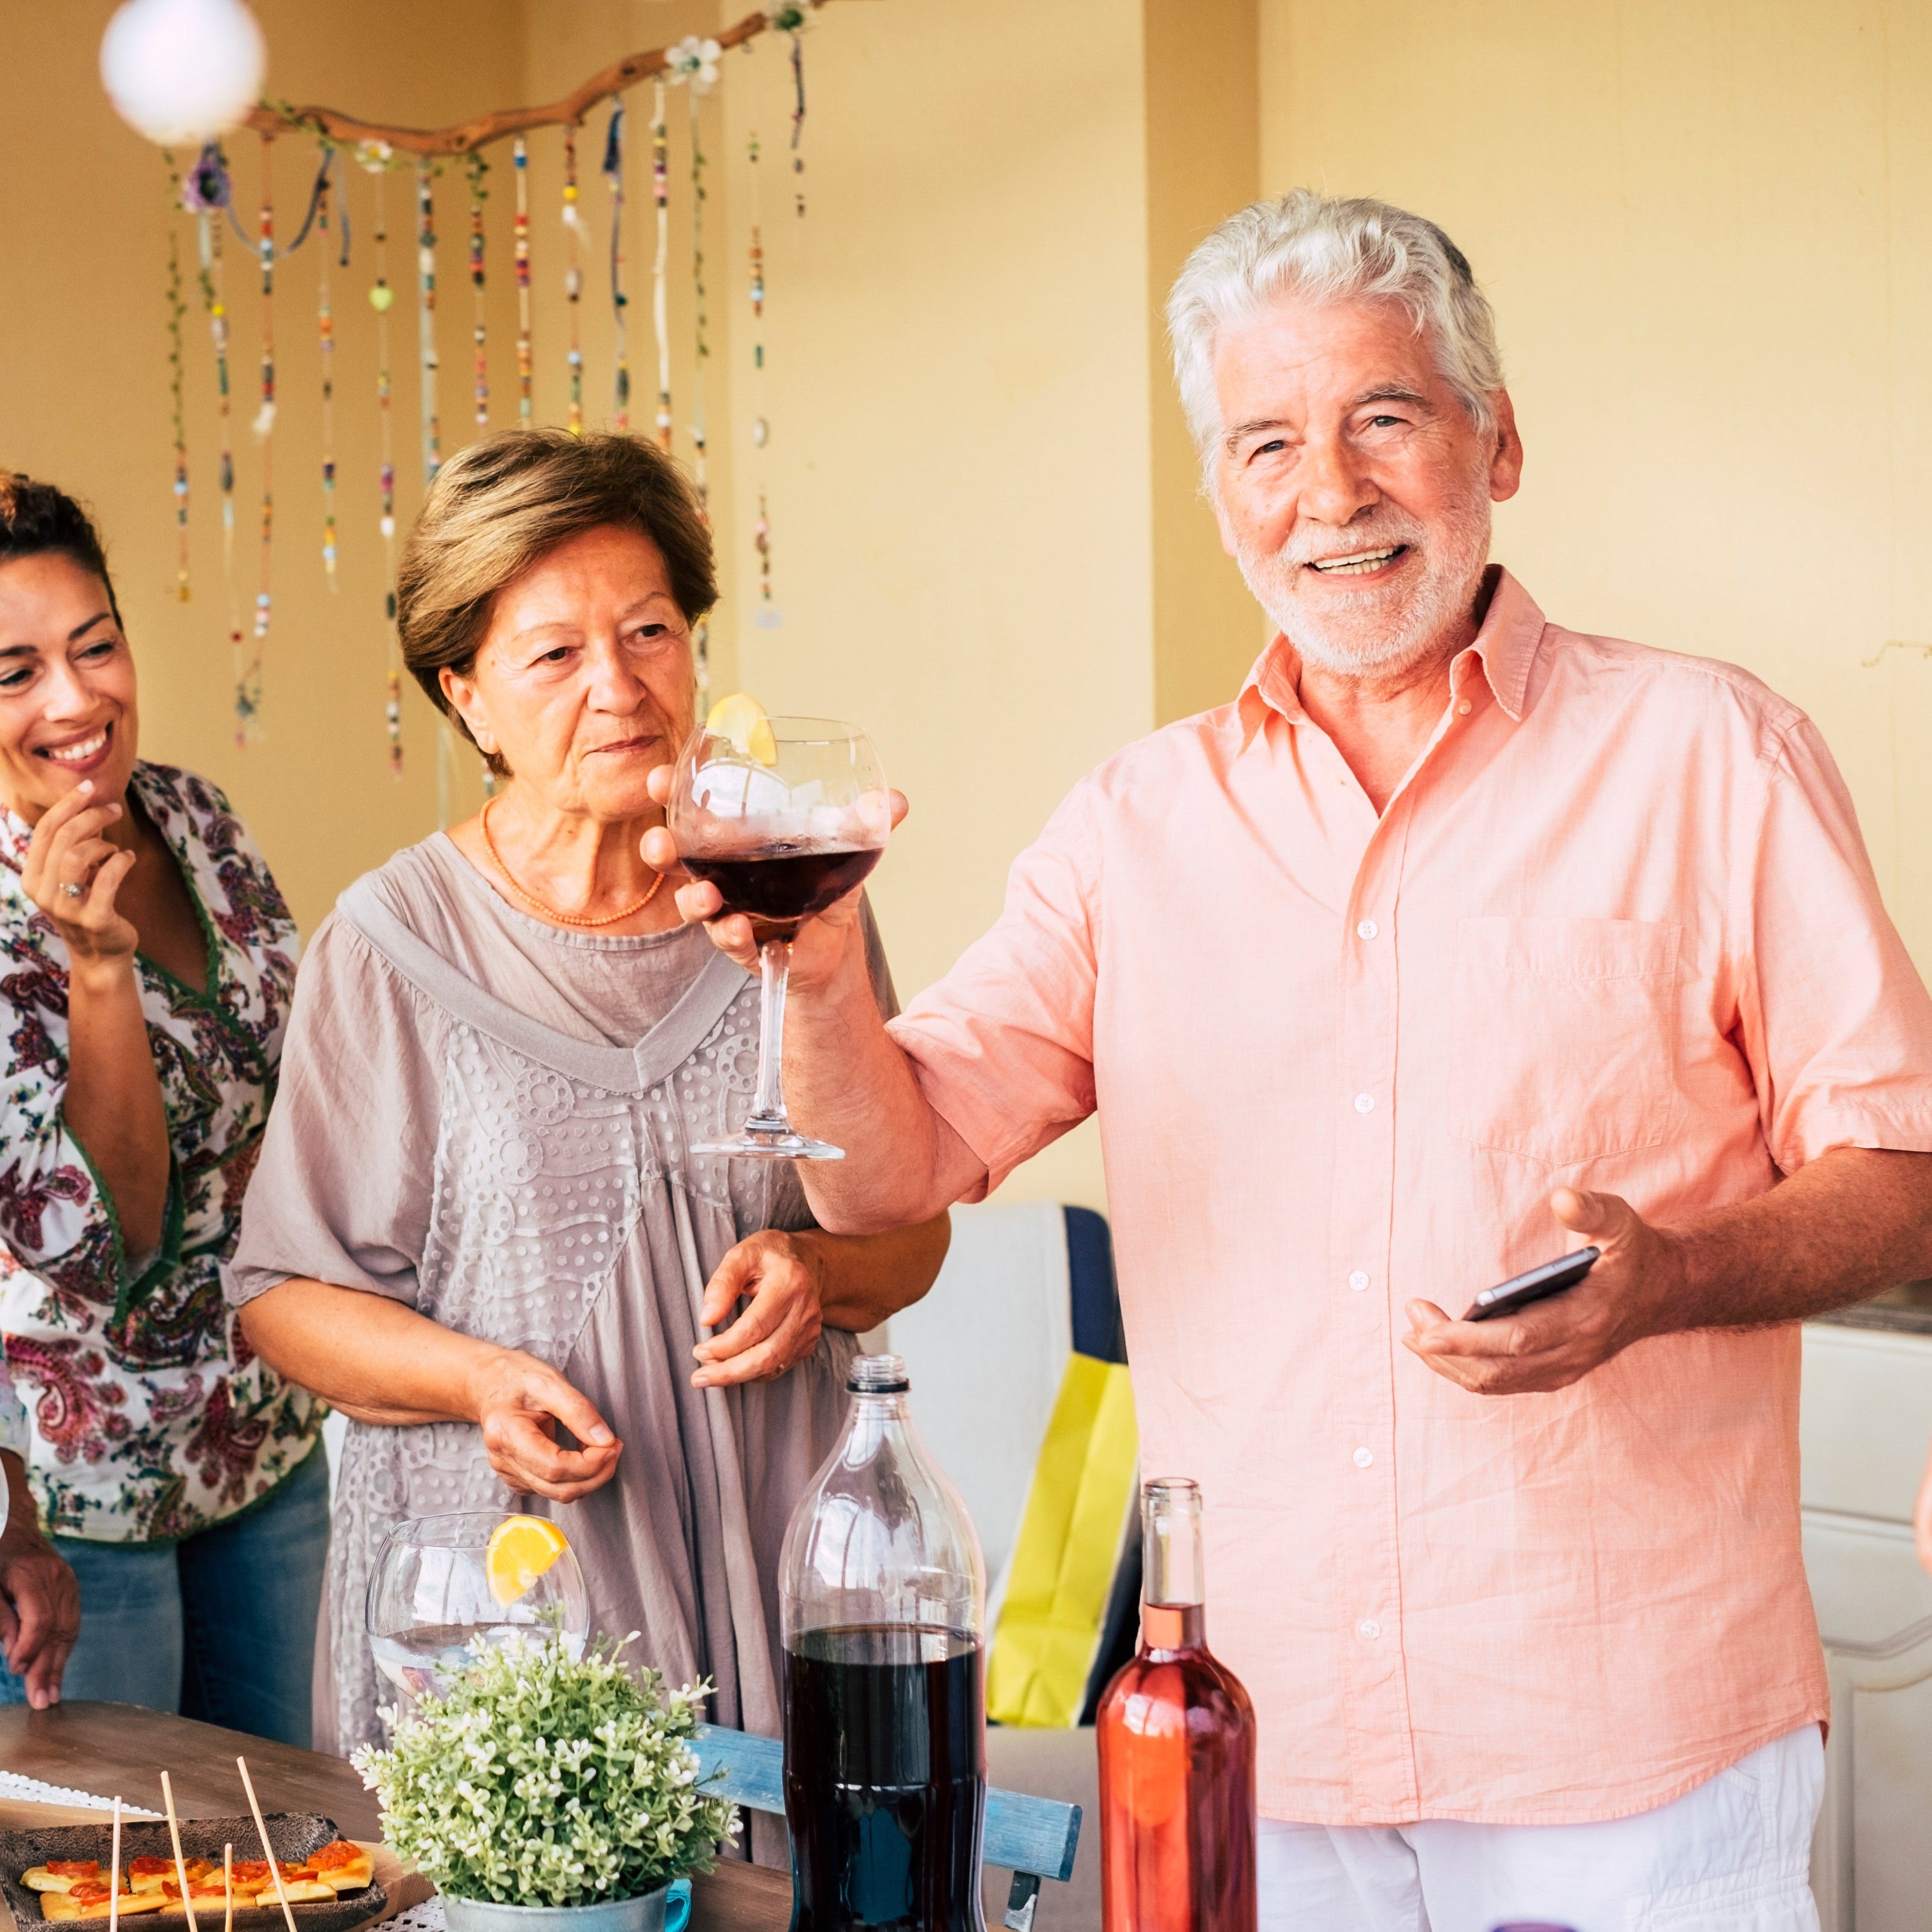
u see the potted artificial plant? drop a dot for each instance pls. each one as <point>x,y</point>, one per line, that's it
<point>546,1794</point>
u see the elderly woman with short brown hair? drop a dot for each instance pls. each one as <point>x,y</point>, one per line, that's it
<point>477,1227</point>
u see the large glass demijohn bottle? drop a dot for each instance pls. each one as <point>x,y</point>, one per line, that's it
<point>883,1599</point>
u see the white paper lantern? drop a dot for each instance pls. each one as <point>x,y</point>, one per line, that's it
<point>179,71</point>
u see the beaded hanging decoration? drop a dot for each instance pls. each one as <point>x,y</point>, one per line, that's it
<point>661,266</point>
<point>573,278</point>
<point>478,168</point>
<point>432,426</point>
<point>207,194</point>
<point>375,158</point>
<point>701,345</point>
<point>325,329</point>
<point>521,161</point>
<point>249,676</point>
<point>177,372</point>
<point>613,173</point>
<point>797,113</point>
<point>766,616</point>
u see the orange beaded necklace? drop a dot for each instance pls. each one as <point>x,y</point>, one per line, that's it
<point>536,905</point>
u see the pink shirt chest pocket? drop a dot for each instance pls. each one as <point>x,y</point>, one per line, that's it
<point>1566,1037</point>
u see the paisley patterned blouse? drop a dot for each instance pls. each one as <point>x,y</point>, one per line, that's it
<point>147,1417</point>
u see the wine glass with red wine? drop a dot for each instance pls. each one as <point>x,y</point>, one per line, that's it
<point>782,837</point>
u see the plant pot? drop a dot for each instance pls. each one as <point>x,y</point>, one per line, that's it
<point>666,1909</point>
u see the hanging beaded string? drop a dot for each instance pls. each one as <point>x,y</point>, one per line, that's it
<point>478,168</point>
<point>249,677</point>
<point>432,426</point>
<point>177,373</point>
<point>761,529</point>
<point>573,278</point>
<point>797,111</point>
<point>661,266</point>
<point>375,158</point>
<point>207,192</point>
<point>701,345</point>
<point>520,159</point>
<point>613,173</point>
<point>325,326</point>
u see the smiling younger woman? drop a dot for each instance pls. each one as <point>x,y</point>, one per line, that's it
<point>146,960</point>
<point>477,1228</point>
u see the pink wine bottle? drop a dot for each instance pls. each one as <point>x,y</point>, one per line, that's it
<point>1177,1742</point>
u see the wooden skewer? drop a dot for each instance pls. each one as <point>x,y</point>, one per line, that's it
<point>114,1874</point>
<point>228,1886</point>
<point>181,1864</point>
<point>268,1849</point>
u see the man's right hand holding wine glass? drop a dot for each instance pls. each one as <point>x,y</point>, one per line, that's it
<point>844,1073</point>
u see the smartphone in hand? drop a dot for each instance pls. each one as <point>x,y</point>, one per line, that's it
<point>1519,1291</point>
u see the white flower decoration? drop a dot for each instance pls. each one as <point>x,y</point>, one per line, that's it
<point>373,155</point>
<point>693,60</point>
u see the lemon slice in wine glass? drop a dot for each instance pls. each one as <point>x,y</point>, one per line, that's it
<point>741,718</point>
<point>520,1549</point>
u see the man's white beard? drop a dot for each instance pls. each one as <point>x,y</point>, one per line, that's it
<point>1378,631</point>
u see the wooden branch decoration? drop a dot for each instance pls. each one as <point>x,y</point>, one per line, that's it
<point>467,136</point>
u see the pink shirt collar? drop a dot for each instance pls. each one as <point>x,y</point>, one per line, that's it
<point>1505,647</point>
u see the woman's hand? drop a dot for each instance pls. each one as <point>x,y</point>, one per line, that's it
<point>73,872</point>
<point>112,1104</point>
<point>40,1601</point>
<point>782,1273</point>
<point>519,1403</point>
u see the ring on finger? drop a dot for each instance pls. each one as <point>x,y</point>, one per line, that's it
<point>73,891</point>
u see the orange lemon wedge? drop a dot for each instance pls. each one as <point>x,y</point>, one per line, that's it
<point>741,718</point>
<point>520,1549</point>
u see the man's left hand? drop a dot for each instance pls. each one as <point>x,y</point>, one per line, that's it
<point>781,1324</point>
<point>1556,1342</point>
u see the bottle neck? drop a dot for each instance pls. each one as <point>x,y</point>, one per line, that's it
<point>1165,1626</point>
<point>1173,1593</point>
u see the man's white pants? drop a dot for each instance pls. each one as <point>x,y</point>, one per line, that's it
<point>1733,1856</point>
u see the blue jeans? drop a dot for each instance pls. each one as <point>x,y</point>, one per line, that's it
<point>219,1626</point>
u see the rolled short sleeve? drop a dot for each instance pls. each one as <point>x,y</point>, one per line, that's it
<point>1003,1046</point>
<point>342,1191</point>
<point>1835,1021</point>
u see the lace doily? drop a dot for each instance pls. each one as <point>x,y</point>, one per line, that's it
<point>31,1791</point>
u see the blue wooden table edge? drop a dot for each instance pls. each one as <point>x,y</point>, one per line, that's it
<point>1023,1833</point>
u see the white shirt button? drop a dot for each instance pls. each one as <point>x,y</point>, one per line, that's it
<point>1369,1628</point>
<point>1363,1457</point>
<point>1367,929</point>
<point>1462,710</point>
<point>1365,1103</point>
<point>1358,1281</point>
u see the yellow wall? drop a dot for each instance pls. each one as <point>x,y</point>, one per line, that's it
<point>1708,233</point>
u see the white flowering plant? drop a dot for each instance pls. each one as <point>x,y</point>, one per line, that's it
<point>544,1779</point>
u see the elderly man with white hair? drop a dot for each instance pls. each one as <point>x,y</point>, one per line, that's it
<point>1458,939</point>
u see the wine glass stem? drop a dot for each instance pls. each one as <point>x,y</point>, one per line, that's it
<point>768,1108</point>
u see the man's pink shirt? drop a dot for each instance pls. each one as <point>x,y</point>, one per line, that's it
<point>1617,929</point>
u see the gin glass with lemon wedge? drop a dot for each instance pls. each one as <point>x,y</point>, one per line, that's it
<point>444,1584</point>
<point>784,816</point>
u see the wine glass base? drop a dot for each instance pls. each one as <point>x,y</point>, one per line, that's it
<point>755,1145</point>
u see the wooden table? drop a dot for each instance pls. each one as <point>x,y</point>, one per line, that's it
<point>113,1749</point>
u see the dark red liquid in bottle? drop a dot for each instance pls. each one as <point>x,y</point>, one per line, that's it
<point>1177,1748</point>
<point>885,1779</point>
<point>781,886</point>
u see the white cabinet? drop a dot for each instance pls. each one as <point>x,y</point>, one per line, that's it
<point>1865,1423</point>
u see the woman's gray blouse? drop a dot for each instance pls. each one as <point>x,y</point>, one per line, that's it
<point>487,1120</point>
